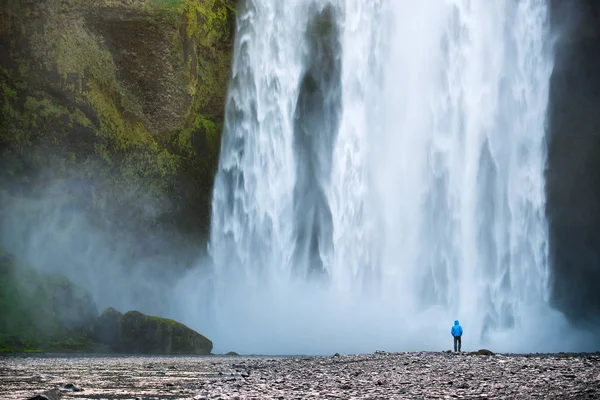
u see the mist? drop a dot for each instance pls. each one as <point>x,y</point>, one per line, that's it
<point>107,249</point>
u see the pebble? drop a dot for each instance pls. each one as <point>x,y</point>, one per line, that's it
<point>369,376</point>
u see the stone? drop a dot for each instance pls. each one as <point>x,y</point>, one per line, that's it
<point>69,387</point>
<point>137,333</point>
<point>48,395</point>
<point>483,352</point>
<point>368,376</point>
<point>145,334</point>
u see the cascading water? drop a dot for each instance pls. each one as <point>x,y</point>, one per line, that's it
<point>381,174</point>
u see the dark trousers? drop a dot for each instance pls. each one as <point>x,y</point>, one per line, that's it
<point>457,342</point>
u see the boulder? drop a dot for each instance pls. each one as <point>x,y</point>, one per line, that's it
<point>483,352</point>
<point>140,333</point>
<point>53,394</point>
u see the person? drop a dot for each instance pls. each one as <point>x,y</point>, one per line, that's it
<point>457,332</point>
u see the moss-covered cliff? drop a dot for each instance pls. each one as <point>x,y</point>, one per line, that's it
<point>146,334</point>
<point>122,95</point>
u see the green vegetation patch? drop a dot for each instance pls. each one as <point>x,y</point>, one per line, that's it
<point>40,312</point>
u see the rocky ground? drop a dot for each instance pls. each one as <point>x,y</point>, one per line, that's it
<point>373,376</point>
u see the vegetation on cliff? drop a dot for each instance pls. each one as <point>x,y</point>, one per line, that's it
<point>117,105</point>
<point>134,332</point>
<point>155,335</point>
<point>125,95</point>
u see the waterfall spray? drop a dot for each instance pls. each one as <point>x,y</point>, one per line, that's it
<point>381,175</point>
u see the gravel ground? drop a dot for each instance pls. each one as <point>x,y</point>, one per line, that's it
<point>372,376</point>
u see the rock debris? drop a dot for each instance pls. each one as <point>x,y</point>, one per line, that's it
<point>371,376</point>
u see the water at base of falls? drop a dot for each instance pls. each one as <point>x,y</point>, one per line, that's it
<point>381,175</point>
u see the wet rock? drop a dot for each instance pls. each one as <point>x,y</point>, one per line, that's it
<point>145,334</point>
<point>69,387</point>
<point>483,352</point>
<point>48,395</point>
<point>408,375</point>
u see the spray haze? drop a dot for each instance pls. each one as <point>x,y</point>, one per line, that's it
<point>109,248</point>
<point>412,179</point>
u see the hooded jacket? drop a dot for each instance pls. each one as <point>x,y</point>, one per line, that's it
<point>456,330</point>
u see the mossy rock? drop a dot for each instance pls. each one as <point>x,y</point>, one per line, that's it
<point>120,95</point>
<point>143,334</point>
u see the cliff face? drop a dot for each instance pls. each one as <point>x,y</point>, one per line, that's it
<point>573,172</point>
<point>119,96</point>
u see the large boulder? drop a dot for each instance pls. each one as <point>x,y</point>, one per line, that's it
<point>137,333</point>
<point>154,335</point>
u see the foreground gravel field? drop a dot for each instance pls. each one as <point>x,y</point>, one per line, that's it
<point>373,376</point>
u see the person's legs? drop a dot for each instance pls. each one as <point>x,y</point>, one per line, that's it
<point>459,343</point>
<point>455,342</point>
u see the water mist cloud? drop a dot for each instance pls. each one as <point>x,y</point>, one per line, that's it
<point>436,189</point>
<point>54,227</point>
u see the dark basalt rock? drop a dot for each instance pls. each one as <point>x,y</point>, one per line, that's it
<point>483,352</point>
<point>69,387</point>
<point>137,333</point>
<point>48,395</point>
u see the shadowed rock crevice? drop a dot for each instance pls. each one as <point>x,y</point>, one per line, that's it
<point>316,122</point>
<point>573,171</point>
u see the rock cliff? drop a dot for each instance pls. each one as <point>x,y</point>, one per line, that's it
<point>119,96</point>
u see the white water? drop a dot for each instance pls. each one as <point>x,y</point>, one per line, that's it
<point>414,181</point>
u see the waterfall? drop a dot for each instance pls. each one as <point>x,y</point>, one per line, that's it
<point>382,174</point>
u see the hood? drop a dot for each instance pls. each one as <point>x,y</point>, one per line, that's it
<point>456,322</point>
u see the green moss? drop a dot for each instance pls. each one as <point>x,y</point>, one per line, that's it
<point>164,321</point>
<point>29,319</point>
<point>168,4</point>
<point>141,333</point>
<point>208,20</point>
<point>65,102</point>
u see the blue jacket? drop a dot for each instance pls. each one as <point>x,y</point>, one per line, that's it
<point>456,329</point>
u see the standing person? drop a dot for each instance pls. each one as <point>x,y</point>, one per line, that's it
<point>457,332</point>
